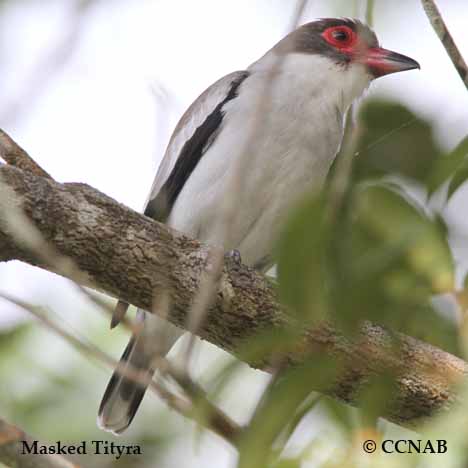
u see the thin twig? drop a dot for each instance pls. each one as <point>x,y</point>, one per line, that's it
<point>214,418</point>
<point>370,12</point>
<point>344,159</point>
<point>236,182</point>
<point>245,296</point>
<point>208,411</point>
<point>344,162</point>
<point>13,154</point>
<point>14,444</point>
<point>229,206</point>
<point>438,23</point>
<point>340,181</point>
<point>29,235</point>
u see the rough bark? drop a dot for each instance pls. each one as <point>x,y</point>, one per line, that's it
<point>132,257</point>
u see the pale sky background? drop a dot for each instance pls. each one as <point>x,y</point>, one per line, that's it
<point>97,119</point>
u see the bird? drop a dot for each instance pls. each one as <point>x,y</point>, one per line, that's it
<point>313,75</point>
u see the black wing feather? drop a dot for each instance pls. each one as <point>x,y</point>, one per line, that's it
<point>160,207</point>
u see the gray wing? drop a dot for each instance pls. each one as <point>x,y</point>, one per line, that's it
<point>193,135</point>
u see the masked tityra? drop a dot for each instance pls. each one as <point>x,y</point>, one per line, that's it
<point>314,74</point>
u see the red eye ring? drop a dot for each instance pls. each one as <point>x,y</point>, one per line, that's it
<point>341,37</point>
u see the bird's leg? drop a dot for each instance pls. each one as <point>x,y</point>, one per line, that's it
<point>233,255</point>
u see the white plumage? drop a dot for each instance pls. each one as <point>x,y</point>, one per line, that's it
<point>319,70</point>
<point>292,153</point>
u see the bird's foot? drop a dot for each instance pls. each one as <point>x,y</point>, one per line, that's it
<point>233,255</point>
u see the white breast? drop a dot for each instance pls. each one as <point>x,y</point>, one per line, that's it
<point>293,149</point>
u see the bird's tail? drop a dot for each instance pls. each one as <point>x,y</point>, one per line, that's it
<point>123,395</point>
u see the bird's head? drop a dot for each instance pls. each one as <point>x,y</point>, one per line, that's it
<point>337,58</point>
<point>347,42</point>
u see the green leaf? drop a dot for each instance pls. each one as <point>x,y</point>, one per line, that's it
<point>308,405</point>
<point>11,338</point>
<point>385,264</point>
<point>301,260</point>
<point>446,166</point>
<point>382,261</point>
<point>394,140</point>
<point>342,414</point>
<point>288,463</point>
<point>280,405</point>
<point>459,178</point>
<point>394,223</point>
<point>377,398</point>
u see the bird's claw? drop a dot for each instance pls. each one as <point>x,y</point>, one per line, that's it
<point>233,255</point>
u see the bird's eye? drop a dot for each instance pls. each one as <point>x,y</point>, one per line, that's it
<point>341,37</point>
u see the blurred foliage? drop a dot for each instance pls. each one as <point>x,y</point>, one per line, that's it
<point>382,260</point>
<point>382,257</point>
<point>394,140</point>
<point>451,167</point>
<point>390,252</point>
<point>10,338</point>
<point>301,257</point>
<point>54,395</point>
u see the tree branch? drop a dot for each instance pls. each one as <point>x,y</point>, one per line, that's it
<point>213,417</point>
<point>438,23</point>
<point>13,154</point>
<point>12,451</point>
<point>132,257</point>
